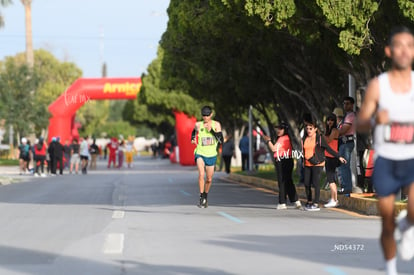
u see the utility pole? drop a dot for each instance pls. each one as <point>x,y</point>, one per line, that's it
<point>29,39</point>
<point>250,139</point>
<point>102,52</point>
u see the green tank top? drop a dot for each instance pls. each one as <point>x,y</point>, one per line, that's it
<point>207,143</point>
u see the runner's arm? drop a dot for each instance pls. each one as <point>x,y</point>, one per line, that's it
<point>217,133</point>
<point>194,134</point>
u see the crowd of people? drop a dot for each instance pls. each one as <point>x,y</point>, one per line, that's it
<point>327,148</point>
<point>42,158</point>
<point>120,151</point>
<point>387,111</point>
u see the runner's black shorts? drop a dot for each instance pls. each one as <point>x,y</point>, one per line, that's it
<point>390,176</point>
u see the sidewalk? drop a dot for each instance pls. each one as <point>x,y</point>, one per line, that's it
<point>355,202</point>
<point>10,174</point>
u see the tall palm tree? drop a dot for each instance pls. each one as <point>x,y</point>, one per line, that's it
<point>3,3</point>
<point>29,41</point>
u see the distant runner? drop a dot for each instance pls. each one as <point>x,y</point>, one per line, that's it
<point>207,135</point>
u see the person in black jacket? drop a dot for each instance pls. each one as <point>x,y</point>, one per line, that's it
<point>58,154</point>
<point>51,150</point>
<point>314,146</point>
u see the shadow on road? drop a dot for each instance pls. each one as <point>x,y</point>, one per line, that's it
<point>338,251</point>
<point>27,261</point>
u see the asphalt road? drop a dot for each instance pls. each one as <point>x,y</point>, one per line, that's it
<point>145,220</point>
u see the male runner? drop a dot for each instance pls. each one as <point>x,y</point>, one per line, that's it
<point>206,134</point>
<point>390,97</point>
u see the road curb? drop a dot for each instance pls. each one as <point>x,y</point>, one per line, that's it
<point>356,202</point>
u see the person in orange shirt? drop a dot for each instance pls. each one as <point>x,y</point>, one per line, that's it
<point>314,146</point>
<point>282,150</point>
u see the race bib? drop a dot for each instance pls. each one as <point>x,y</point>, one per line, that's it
<point>206,141</point>
<point>402,133</point>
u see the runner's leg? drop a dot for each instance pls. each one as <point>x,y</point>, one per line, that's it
<point>209,178</point>
<point>386,209</point>
<point>201,173</point>
<point>410,204</point>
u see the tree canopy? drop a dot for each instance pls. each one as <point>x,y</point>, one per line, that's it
<point>283,57</point>
<point>27,92</point>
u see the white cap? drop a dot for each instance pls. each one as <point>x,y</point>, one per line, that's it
<point>24,140</point>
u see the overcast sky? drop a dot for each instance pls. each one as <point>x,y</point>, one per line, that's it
<point>123,33</point>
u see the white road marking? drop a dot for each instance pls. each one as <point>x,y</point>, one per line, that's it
<point>114,244</point>
<point>118,214</point>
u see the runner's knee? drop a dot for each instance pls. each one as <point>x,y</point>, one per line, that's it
<point>388,226</point>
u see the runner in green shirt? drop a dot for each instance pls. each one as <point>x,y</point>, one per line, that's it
<point>207,136</point>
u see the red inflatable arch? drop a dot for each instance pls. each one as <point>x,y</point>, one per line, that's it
<point>184,125</point>
<point>63,110</point>
<point>62,122</point>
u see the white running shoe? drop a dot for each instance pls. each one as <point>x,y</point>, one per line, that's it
<point>331,204</point>
<point>36,174</point>
<point>281,206</point>
<point>406,245</point>
<point>43,175</point>
<point>298,204</point>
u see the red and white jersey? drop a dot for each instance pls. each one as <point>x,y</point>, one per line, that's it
<point>395,140</point>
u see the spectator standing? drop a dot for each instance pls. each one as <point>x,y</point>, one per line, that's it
<point>245,151</point>
<point>84,155</point>
<point>58,153</point>
<point>346,144</point>
<point>40,157</point>
<point>129,152</point>
<point>314,146</point>
<point>24,156</point>
<point>362,143</point>
<point>154,149</point>
<point>307,118</point>
<point>66,152</point>
<point>52,158</point>
<point>113,148</point>
<point>105,151</point>
<point>282,152</point>
<point>331,163</point>
<point>74,156</point>
<point>94,151</point>
<point>339,113</point>
<point>121,151</point>
<point>31,165</point>
<point>228,152</point>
